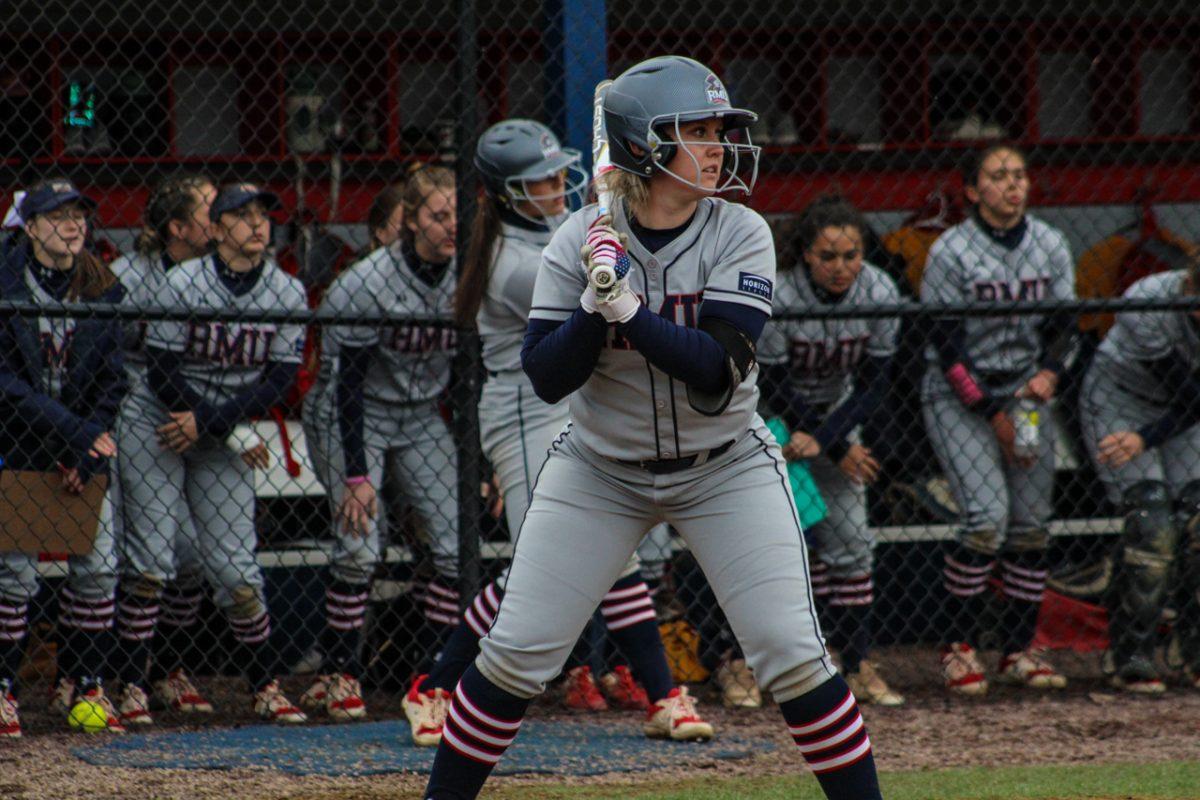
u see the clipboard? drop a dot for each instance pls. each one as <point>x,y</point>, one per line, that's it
<point>38,516</point>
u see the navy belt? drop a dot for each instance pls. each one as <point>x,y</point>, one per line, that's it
<point>665,466</point>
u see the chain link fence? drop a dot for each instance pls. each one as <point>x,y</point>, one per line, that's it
<point>242,427</point>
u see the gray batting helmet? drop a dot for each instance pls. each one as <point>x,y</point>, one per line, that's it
<point>516,151</point>
<point>647,103</point>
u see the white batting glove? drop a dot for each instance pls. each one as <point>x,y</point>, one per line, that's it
<point>619,305</point>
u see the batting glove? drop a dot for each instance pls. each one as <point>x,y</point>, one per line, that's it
<point>604,258</point>
<point>619,305</point>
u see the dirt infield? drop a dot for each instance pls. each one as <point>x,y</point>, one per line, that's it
<point>1086,723</point>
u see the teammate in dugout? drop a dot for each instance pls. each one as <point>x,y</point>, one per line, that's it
<point>528,178</point>
<point>202,379</point>
<point>374,429</point>
<point>979,367</point>
<point>60,383</point>
<point>825,377</point>
<point>1140,406</point>
<point>663,429</point>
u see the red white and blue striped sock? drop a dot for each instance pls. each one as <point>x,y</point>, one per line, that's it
<point>629,615</point>
<point>482,722</point>
<point>826,726</point>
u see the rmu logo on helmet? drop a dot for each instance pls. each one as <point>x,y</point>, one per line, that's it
<point>715,90</point>
<point>548,146</point>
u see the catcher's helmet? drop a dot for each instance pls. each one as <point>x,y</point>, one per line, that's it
<point>515,151</point>
<point>647,103</point>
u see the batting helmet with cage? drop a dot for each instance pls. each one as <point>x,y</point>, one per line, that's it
<point>513,152</point>
<point>645,105</point>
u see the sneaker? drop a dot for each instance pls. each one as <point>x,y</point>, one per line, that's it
<point>962,671</point>
<point>270,703</point>
<point>339,695</point>
<point>10,723</point>
<point>738,687</point>
<point>1030,669</point>
<point>133,706</point>
<point>426,712</point>
<point>62,696</point>
<point>1138,676</point>
<point>580,692</point>
<point>96,695</point>
<point>623,691</point>
<point>675,717</point>
<point>869,687</point>
<point>177,692</point>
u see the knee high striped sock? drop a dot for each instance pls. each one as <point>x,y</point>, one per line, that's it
<point>1024,581</point>
<point>137,621</point>
<point>482,722</point>
<point>629,614</point>
<point>253,637</point>
<point>826,726</point>
<point>345,614</point>
<point>822,590</point>
<point>14,624</point>
<point>965,574</point>
<point>850,604</point>
<point>86,625</point>
<point>463,645</point>
<point>177,622</point>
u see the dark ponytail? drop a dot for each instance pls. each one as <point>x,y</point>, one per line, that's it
<point>173,199</point>
<point>473,280</point>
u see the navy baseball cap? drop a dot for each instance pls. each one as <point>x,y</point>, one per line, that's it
<point>46,197</point>
<point>233,196</point>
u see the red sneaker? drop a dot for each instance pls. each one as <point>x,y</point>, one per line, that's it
<point>623,691</point>
<point>580,692</point>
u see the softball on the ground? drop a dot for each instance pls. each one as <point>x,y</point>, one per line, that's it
<point>88,717</point>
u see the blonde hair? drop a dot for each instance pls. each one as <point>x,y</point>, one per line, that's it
<point>633,189</point>
<point>421,182</point>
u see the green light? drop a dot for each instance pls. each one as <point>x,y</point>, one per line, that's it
<point>81,106</point>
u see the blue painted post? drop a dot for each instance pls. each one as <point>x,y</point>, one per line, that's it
<point>576,39</point>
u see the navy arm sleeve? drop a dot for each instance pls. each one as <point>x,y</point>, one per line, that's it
<point>1184,410</point>
<point>353,363</point>
<point>1057,332</point>
<point>253,401</point>
<point>870,387</point>
<point>948,337</point>
<point>559,357</point>
<point>167,382</point>
<point>689,354</point>
<point>784,400</point>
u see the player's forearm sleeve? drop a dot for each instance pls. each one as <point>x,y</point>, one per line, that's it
<point>353,363</point>
<point>947,335</point>
<point>1057,332</point>
<point>167,382</point>
<point>686,354</point>
<point>559,357</point>
<point>784,400</point>
<point>1184,410</point>
<point>253,401</point>
<point>870,387</point>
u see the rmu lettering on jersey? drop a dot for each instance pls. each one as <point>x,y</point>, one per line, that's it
<point>420,338</point>
<point>682,309</point>
<point>1025,289</point>
<point>825,358</point>
<point>230,346</point>
<point>54,353</point>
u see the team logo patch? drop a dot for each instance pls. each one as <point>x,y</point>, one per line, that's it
<point>717,96</point>
<point>754,284</point>
<point>547,145</point>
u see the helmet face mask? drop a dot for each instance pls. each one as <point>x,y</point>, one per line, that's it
<point>514,153</point>
<point>647,107</point>
<point>516,190</point>
<point>739,163</point>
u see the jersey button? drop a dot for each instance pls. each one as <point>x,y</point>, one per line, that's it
<point>652,263</point>
<point>661,404</point>
<point>665,454</point>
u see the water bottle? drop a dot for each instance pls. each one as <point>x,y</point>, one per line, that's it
<point>1026,418</point>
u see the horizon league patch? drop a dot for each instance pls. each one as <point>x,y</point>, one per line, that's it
<point>755,285</point>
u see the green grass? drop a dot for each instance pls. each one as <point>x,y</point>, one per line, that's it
<point>1171,781</point>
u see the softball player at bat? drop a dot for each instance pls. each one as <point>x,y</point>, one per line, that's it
<point>528,178</point>
<point>60,385</point>
<point>374,429</point>
<point>663,429</point>
<point>201,380</point>
<point>1139,413</point>
<point>978,369</point>
<point>175,229</point>
<point>827,377</point>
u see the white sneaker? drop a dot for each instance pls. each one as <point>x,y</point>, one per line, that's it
<point>271,704</point>
<point>675,717</point>
<point>133,707</point>
<point>62,696</point>
<point>1029,668</point>
<point>426,712</point>
<point>10,722</point>
<point>339,695</point>
<point>177,692</point>
<point>869,687</point>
